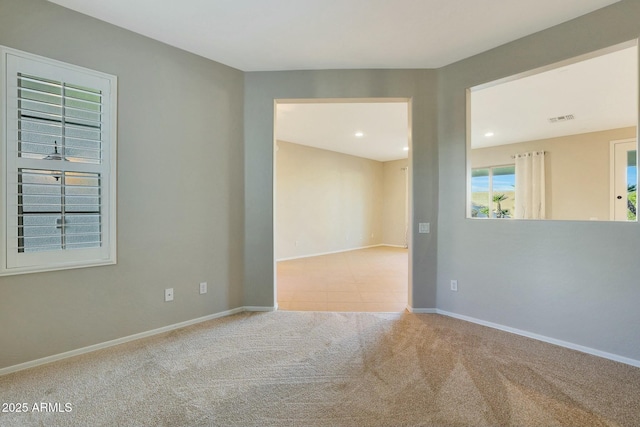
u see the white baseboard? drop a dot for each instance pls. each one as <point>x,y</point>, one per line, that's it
<point>338,251</point>
<point>117,341</point>
<point>421,310</point>
<point>572,346</point>
<point>261,309</point>
<point>88,349</point>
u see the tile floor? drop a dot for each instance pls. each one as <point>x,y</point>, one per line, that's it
<point>372,279</point>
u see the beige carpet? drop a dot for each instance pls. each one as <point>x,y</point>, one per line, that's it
<point>330,369</point>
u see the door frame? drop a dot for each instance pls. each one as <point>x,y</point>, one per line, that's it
<point>612,173</point>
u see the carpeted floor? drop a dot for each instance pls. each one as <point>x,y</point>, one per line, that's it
<point>329,369</point>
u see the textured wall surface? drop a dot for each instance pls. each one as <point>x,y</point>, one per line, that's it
<point>575,281</point>
<point>179,191</point>
<point>262,88</point>
<point>195,200</point>
<point>326,201</point>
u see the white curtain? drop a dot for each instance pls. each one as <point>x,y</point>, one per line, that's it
<point>530,196</point>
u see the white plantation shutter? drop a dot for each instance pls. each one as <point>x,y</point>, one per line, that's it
<point>59,152</point>
<point>58,210</point>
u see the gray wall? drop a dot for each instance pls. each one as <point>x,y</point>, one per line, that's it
<point>261,88</point>
<point>187,176</point>
<point>572,281</point>
<point>180,186</point>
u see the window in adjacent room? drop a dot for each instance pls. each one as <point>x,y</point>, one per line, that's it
<point>493,192</point>
<point>58,155</point>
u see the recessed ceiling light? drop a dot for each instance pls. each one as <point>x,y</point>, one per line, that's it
<point>406,148</point>
<point>489,134</point>
<point>359,134</point>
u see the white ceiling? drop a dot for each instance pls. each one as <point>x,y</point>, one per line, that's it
<point>259,35</point>
<point>333,126</point>
<point>601,93</point>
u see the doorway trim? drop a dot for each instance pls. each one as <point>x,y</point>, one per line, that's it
<point>613,168</point>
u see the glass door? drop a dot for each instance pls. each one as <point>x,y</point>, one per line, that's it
<point>624,181</point>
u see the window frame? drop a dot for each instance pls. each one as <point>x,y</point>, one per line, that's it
<point>490,190</point>
<point>12,261</point>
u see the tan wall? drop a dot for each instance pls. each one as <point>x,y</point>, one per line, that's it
<point>325,201</point>
<point>577,172</point>
<point>393,211</point>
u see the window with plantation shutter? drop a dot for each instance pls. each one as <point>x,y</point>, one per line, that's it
<point>59,165</point>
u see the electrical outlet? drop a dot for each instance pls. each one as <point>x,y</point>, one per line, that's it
<point>168,294</point>
<point>424,228</point>
<point>454,285</point>
<point>203,288</point>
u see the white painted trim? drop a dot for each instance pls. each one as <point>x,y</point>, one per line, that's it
<point>338,251</point>
<point>106,344</point>
<point>612,174</point>
<point>12,62</point>
<point>566,344</point>
<point>421,310</point>
<point>260,309</point>
<point>117,341</point>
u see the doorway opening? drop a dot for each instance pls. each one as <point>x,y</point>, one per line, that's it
<point>342,204</point>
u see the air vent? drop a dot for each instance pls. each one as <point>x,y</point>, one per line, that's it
<point>562,118</point>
